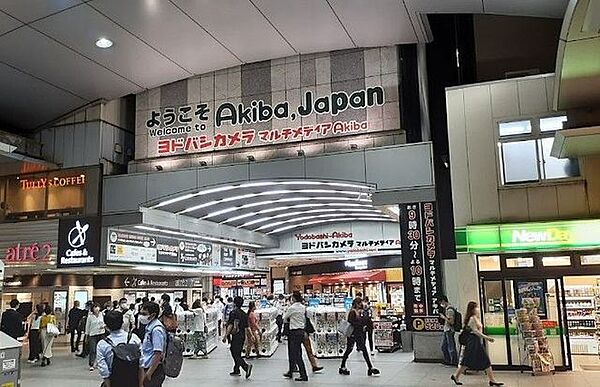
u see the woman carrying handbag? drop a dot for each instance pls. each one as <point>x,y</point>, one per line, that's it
<point>357,336</point>
<point>48,331</point>
<point>474,355</point>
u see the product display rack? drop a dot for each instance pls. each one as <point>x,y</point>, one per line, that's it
<point>327,342</point>
<point>386,334</point>
<point>268,332</point>
<point>582,319</point>
<point>533,349</point>
<point>185,330</point>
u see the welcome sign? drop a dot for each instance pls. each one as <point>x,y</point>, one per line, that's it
<point>576,234</point>
<point>187,126</point>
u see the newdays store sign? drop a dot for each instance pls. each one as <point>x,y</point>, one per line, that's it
<point>575,234</point>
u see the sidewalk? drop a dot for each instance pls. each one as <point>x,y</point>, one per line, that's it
<point>397,370</point>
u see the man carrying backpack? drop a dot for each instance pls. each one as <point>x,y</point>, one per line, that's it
<point>452,323</point>
<point>118,355</point>
<point>151,366</point>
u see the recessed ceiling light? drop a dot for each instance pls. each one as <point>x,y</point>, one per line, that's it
<point>104,43</point>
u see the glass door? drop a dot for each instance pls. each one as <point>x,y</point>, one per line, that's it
<point>501,300</point>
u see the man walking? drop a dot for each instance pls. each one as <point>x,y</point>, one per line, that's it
<point>152,372</point>
<point>448,314</point>
<point>296,316</point>
<point>236,328</point>
<point>75,316</point>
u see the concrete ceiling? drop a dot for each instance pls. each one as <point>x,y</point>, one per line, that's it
<point>578,61</point>
<point>50,65</point>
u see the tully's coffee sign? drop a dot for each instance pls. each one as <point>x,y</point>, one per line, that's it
<point>185,129</point>
<point>48,182</point>
<point>28,253</point>
<point>78,242</point>
<point>421,265</point>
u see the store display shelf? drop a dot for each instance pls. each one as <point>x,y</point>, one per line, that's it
<point>583,328</point>
<point>575,318</point>
<point>570,307</point>
<point>580,297</point>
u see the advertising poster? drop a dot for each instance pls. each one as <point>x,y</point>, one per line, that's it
<point>422,266</point>
<point>228,255</point>
<point>532,291</point>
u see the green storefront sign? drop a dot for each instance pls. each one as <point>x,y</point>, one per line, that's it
<point>575,234</point>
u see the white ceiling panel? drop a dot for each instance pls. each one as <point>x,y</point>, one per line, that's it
<point>309,25</point>
<point>541,8</point>
<point>239,26</point>
<point>8,23</point>
<point>445,6</point>
<point>178,37</point>
<point>28,102</point>
<point>60,66</point>
<point>30,10</point>
<point>386,23</point>
<point>80,27</point>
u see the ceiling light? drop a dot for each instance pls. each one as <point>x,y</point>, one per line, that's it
<point>284,208</point>
<point>317,211</point>
<point>104,43</point>
<point>260,184</point>
<point>329,216</point>
<point>278,230</point>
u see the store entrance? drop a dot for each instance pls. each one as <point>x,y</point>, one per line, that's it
<point>568,309</point>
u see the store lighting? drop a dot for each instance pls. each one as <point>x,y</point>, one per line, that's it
<point>200,237</point>
<point>290,214</point>
<point>286,228</point>
<point>284,200</point>
<point>270,193</point>
<point>104,43</point>
<point>285,208</point>
<point>261,184</point>
<point>329,216</point>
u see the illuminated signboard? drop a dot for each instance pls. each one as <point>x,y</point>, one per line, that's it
<point>45,182</point>
<point>28,253</point>
<point>576,234</point>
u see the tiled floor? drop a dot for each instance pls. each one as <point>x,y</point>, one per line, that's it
<point>397,370</point>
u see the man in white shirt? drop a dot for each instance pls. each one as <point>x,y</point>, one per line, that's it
<point>296,316</point>
<point>128,315</point>
<point>94,331</point>
<point>220,308</point>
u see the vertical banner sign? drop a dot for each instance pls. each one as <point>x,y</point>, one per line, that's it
<point>421,265</point>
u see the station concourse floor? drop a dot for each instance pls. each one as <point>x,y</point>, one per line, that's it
<point>397,370</point>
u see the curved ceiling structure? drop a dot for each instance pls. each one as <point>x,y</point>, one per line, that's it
<point>276,206</point>
<point>577,82</point>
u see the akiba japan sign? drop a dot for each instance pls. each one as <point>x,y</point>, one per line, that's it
<point>185,129</point>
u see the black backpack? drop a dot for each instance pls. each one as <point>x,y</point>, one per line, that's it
<point>457,326</point>
<point>126,363</point>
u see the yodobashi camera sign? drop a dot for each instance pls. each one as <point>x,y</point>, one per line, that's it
<point>186,129</point>
<point>79,242</point>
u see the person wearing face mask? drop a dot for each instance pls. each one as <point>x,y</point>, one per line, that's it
<point>474,355</point>
<point>128,315</point>
<point>94,331</point>
<point>151,368</point>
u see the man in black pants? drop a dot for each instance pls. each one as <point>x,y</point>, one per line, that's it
<point>236,328</point>
<point>296,316</point>
<point>75,316</point>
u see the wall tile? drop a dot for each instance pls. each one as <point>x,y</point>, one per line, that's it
<point>174,94</point>
<point>278,78</point>
<point>389,60</point>
<point>207,84</point>
<point>234,84</point>
<point>308,72</point>
<point>347,65</point>
<point>323,70</point>
<point>372,62</point>
<point>193,90</point>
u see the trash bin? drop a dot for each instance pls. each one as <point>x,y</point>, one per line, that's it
<point>10,361</point>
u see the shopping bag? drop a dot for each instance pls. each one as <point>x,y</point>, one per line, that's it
<point>52,329</point>
<point>345,328</point>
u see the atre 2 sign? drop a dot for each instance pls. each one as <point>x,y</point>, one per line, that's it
<point>28,253</point>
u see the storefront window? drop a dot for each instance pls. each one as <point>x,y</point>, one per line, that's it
<point>590,259</point>
<point>493,321</point>
<point>557,261</point>
<point>519,262</point>
<point>489,263</point>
